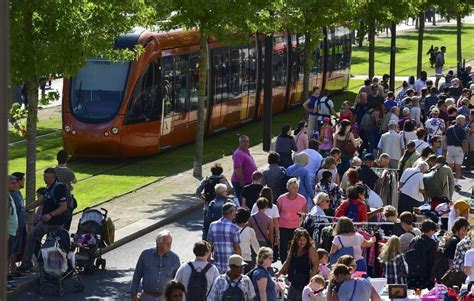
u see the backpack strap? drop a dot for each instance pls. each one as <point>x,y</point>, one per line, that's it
<point>353,290</point>
<point>260,229</point>
<point>243,229</point>
<point>193,270</point>
<point>340,241</point>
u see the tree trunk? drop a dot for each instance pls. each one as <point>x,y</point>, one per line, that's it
<point>458,41</point>
<point>421,28</point>
<point>31,122</point>
<point>198,147</point>
<point>306,64</point>
<point>393,48</point>
<point>4,106</point>
<point>267,94</point>
<point>434,17</point>
<point>259,78</point>
<point>325,58</point>
<point>361,34</point>
<point>289,68</point>
<point>371,49</point>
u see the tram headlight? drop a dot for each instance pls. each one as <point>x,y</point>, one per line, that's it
<point>67,128</point>
<point>114,131</point>
<point>106,133</point>
<point>73,132</point>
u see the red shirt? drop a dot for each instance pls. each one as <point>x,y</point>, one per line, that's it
<point>362,212</point>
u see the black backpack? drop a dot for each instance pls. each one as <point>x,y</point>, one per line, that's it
<point>209,192</point>
<point>197,286</point>
<point>416,258</point>
<point>233,293</point>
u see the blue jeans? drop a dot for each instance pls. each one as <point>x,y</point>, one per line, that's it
<point>238,190</point>
<point>374,140</point>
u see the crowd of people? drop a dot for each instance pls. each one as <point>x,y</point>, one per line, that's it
<point>52,209</point>
<point>366,192</point>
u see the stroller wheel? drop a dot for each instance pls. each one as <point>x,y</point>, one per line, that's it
<point>60,291</point>
<point>78,286</point>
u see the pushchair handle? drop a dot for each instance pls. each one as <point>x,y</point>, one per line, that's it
<point>105,210</point>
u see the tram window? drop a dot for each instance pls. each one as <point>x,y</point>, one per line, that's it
<point>279,61</point>
<point>250,62</point>
<point>168,87</point>
<point>221,73</point>
<point>181,83</point>
<point>145,103</point>
<point>236,72</point>
<point>194,81</point>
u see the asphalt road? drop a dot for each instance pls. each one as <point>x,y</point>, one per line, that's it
<point>113,283</point>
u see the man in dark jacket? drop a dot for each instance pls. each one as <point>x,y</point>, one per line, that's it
<point>420,257</point>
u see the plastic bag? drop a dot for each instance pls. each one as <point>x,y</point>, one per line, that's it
<point>54,260</point>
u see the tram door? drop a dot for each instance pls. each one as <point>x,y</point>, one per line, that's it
<point>140,129</point>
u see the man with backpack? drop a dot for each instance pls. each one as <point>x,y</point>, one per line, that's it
<point>456,147</point>
<point>318,106</point>
<point>52,215</point>
<point>439,182</point>
<point>198,275</point>
<point>233,285</point>
<point>207,188</point>
<point>420,257</point>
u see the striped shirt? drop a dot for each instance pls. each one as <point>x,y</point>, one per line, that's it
<point>461,248</point>
<point>396,270</point>
<point>223,235</point>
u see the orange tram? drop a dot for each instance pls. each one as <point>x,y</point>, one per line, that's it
<point>141,107</point>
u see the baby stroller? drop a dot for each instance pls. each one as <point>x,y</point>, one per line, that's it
<point>56,264</point>
<point>89,240</point>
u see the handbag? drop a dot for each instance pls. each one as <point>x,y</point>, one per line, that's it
<point>347,146</point>
<point>453,277</point>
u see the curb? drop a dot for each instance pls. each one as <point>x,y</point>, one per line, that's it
<point>170,217</point>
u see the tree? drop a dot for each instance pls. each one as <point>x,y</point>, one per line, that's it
<point>456,9</point>
<point>394,12</point>
<point>227,20</point>
<point>310,18</point>
<point>55,37</point>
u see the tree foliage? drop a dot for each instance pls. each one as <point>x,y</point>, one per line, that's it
<point>55,37</point>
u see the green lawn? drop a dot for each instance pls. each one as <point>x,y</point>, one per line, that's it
<point>407,50</point>
<point>45,126</point>
<point>102,179</point>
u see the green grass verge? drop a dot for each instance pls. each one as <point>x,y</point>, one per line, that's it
<point>407,47</point>
<point>45,126</point>
<point>118,176</point>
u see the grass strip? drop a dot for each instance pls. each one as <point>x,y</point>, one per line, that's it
<point>118,176</point>
<point>407,47</point>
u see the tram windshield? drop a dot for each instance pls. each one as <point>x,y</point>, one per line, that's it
<point>98,90</point>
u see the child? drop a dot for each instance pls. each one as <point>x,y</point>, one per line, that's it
<point>395,268</point>
<point>313,289</point>
<point>349,261</point>
<point>323,258</point>
<point>346,112</point>
<point>326,137</point>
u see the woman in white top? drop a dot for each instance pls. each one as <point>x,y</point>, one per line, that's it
<point>469,264</point>
<point>408,132</point>
<point>248,238</point>
<point>271,211</point>
<point>345,236</point>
